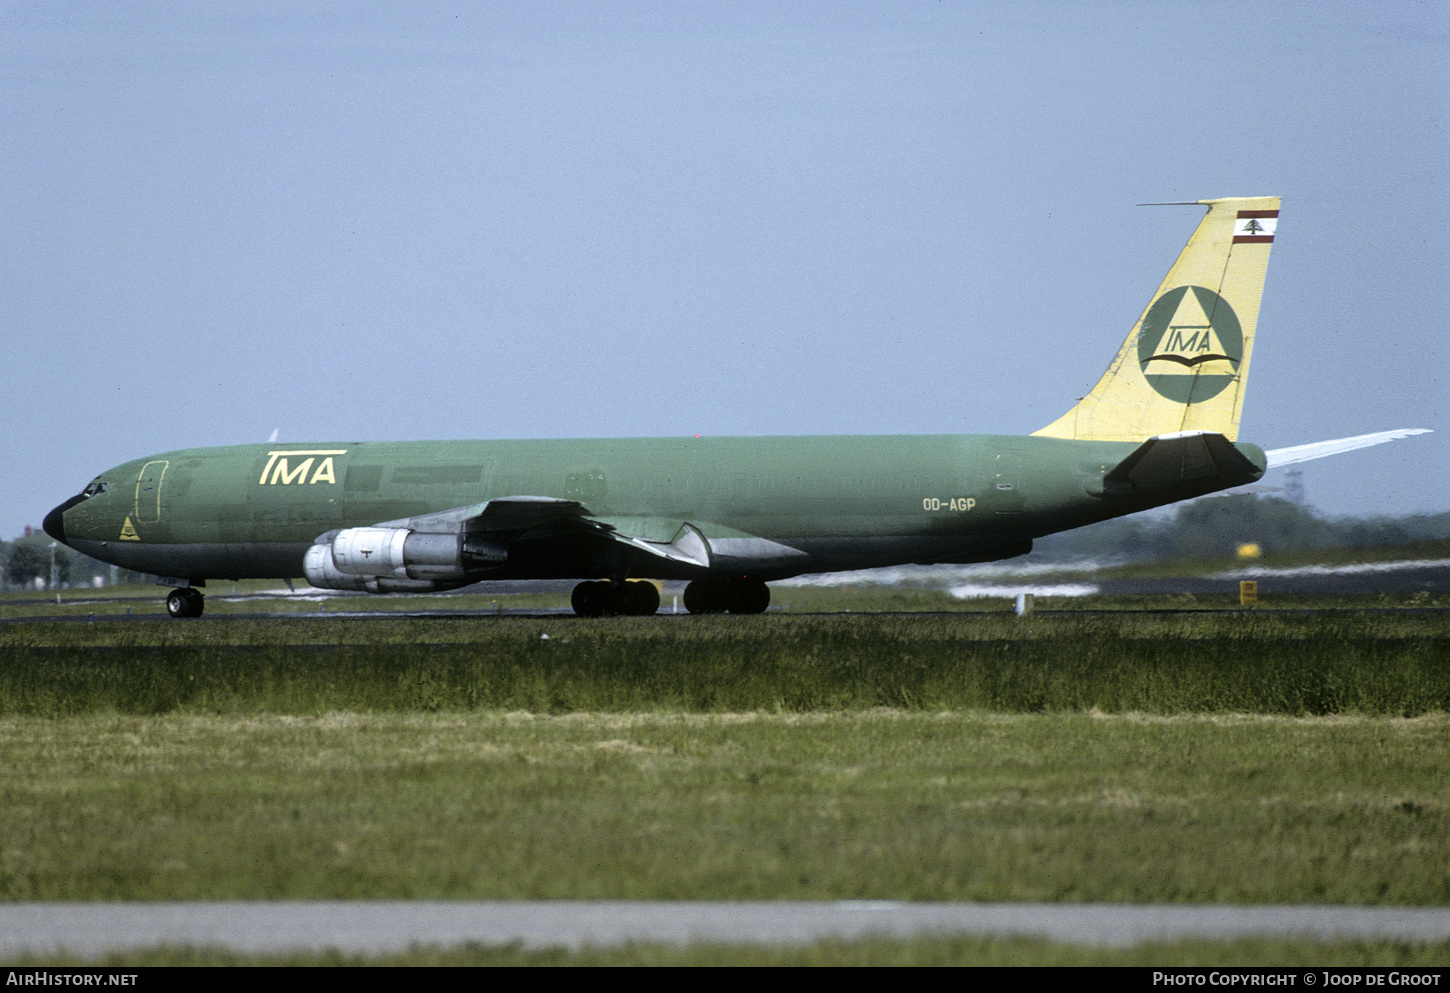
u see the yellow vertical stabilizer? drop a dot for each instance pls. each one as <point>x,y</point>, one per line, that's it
<point>1185,363</point>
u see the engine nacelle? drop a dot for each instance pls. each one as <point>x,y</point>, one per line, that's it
<point>398,560</point>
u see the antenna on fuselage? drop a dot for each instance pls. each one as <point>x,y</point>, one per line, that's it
<point>273,436</point>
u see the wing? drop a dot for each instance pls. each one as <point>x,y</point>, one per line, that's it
<point>1320,449</point>
<point>535,518</point>
<point>455,547</point>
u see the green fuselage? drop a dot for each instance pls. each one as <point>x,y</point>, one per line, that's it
<point>839,502</point>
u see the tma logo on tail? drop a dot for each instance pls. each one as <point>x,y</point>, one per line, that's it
<point>1190,345</point>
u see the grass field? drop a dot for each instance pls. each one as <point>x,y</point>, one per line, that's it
<point>1177,757</point>
<point>1391,663</point>
<point>854,805</point>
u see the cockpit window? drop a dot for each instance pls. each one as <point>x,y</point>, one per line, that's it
<point>97,487</point>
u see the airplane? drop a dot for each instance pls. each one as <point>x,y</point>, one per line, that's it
<point>727,515</point>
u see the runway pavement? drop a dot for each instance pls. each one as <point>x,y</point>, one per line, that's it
<point>377,927</point>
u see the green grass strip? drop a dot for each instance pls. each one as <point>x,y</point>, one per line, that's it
<point>1393,663</point>
<point>865,805</point>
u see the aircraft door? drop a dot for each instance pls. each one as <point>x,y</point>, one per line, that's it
<point>148,491</point>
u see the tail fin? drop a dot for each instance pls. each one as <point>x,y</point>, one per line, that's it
<point>1185,363</point>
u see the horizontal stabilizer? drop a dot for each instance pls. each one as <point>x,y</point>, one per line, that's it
<point>1183,457</point>
<point>1319,449</point>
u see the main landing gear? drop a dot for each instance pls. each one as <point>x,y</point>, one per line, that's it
<point>187,602</point>
<point>597,598</point>
<point>715,595</point>
<point>722,595</point>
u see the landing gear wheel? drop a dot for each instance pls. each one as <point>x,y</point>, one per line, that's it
<point>590,599</point>
<point>186,602</point>
<point>638,599</point>
<point>597,598</point>
<point>716,596</point>
<point>705,596</point>
<point>749,597</point>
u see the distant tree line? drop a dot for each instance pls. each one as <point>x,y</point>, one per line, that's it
<point>1215,528</point>
<point>26,560</point>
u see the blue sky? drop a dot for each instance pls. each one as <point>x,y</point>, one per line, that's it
<point>497,220</point>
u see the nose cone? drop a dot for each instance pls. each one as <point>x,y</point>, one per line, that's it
<point>54,523</point>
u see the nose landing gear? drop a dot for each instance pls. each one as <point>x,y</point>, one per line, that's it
<point>186,602</point>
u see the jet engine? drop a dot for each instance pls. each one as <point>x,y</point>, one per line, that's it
<point>400,560</point>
